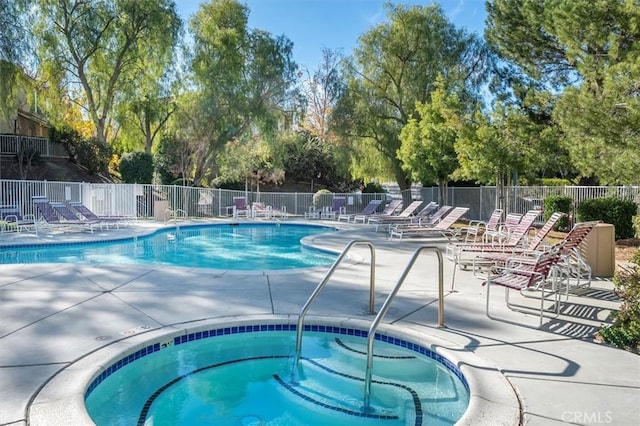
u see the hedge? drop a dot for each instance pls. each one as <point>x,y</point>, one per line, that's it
<point>615,211</point>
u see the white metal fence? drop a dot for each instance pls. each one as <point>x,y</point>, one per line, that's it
<point>152,201</point>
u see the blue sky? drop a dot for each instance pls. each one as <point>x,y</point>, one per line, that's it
<point>335,24</point>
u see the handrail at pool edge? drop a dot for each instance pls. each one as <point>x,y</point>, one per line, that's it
<point>385,308</point>
<point>323,283</point>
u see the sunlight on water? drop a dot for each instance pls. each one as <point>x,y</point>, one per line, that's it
<point>241,247</point>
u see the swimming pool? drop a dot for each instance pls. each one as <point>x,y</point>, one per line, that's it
<point>242,375</point>
<point>254,246</point>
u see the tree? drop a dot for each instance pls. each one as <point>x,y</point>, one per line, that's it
<point>394,66</point>
<point>321,91</point>
<point>148,105</point>
<point>588,52</point>
<point>96,45</point>
<point>13,45</point>
<point>247,161</point>
<point>428,142</point>
<point>136,167</point>
<point>495,148</point>
<point>243,78</point>
<point>309,158</point>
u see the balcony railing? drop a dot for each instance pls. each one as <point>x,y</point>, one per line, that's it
<point>12,144</point>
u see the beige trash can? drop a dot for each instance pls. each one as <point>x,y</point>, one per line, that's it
<point>599,250</point>
<point>159,209</point>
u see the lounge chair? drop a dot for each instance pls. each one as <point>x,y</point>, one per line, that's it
<point>106,220</point>
<point>502,253</point>
<point>406,212</point>
<point>440,229</point>
<point>503,232</point>
<point>392,208</point>
<point>66,216</point>
<point>517,238</point>
<point>367,211</point>
<point>431,220</point>
<point>479,228</point>
<point>571,262</point>
<point>405,216</point>
<point>565,265</point>
<point>536,274</point>
<point>50,217</point>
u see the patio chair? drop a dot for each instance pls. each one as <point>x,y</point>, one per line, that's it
<point>11,219</point>
<point>312,213</point>
<point>339,206</point>
<point>367,211</point>
<point>240,207</point>
<point>440,229</point>
<point>259,209</point>
<point>535,275</point>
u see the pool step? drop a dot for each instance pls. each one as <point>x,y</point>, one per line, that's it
<point>328,393</point>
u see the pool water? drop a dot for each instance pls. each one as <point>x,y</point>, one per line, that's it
<point>246,379</point>
<point>223,246</point>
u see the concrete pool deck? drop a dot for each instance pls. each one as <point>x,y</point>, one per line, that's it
<point>52,315</point>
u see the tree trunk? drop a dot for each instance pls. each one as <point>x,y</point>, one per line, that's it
<point>443,196</point>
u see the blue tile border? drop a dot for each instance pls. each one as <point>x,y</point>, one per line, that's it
<point>259,328</point>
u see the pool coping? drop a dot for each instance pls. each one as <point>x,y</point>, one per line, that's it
<point>61,400</point>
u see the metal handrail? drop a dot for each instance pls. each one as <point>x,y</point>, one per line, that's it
<point>385,308</point>
<point>174,215</point>
<point>323,283</point>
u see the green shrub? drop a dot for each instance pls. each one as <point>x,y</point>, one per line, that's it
<point>625,330</point>
<point>322,198</point>
<point>136,167</point>
<point>615,211</point>
<point>555,182</point>
<point>636,225</point>
<point>90,153</point>
<point>372,188</point>
<point>558,203</point>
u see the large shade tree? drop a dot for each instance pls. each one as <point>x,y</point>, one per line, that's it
<point>95,46</point>
<point>589,53</point>
<point>14,47</point>
<point>395,65</point>
<point>244,79</point>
